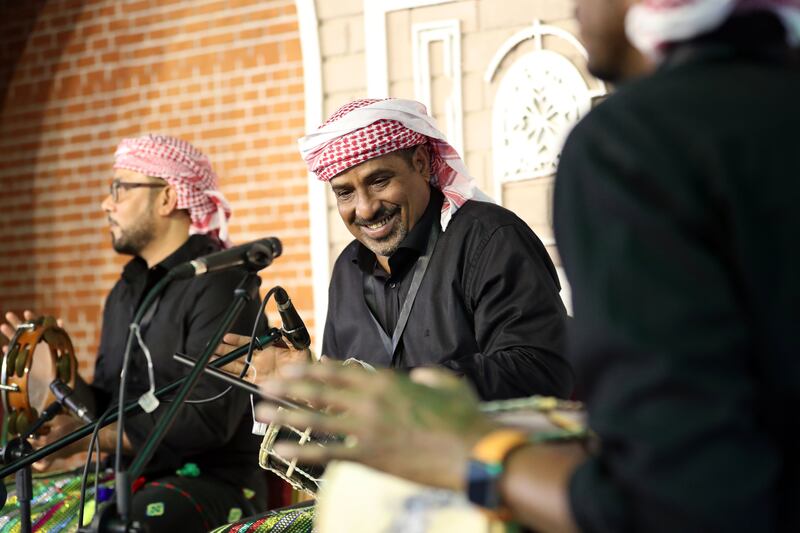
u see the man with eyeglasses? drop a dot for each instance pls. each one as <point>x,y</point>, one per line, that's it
<point>164,209</point>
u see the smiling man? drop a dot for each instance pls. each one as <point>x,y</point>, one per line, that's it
<point>437,274</point>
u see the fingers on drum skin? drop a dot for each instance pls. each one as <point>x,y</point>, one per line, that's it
<point>317,421</point>
<point>234,367</point>
<point>223,349</point>
<point>323,397</point>
<point>42,466</point>
<point>317,454</point>
<point>434,377</point>
<point>348,377</point>
<point>235,340</point>
<point>12,319</point>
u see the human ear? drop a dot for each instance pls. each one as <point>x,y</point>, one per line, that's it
<point>422,161</point>
<point>168,201</point>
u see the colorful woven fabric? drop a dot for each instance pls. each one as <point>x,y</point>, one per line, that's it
<point>651,25</point>
<point>365,129</point>
<point>55,502</point>
<point>188,170</point>
<point>289,520</point>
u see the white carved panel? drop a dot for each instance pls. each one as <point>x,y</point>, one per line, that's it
<point>538,101</point>
<point>541,96</point>
<point>449,33</point>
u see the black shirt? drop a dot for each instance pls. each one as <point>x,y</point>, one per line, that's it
<point>488,306</point>
<point>385,293</point>
<point>216,435</point>
<point>676,216</point>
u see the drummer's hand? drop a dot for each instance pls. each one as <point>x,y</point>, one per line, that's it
<point>266,362</point>
<point>8,327</point>
<point>421,428</point>
<point>13,321</point>
<point>61,425</point>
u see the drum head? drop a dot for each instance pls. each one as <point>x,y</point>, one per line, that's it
<point>41,373</point>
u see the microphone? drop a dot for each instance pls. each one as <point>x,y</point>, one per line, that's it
<point>65,396</point>
<point>293,327</point>
<point>253,256</point>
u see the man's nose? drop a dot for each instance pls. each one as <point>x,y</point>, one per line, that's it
<point>107,204</point>
<point>367,206</point>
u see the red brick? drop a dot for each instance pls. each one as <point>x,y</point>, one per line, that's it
<point>89,30</point>
<point>130,38</point>
<point>117,25</point>
<point>100,44</point>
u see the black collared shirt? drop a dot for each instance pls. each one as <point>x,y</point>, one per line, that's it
<point>488,306</point>
<point>384,292</point>
<point>217,435</point>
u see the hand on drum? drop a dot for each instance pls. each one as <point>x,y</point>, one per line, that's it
<point>8,327</point>
<point>61,425</point>
<point>266,362</point>
<point>421,427</point>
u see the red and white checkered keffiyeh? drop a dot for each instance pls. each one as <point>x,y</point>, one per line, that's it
<point>651,25</point>
<point>188,170</point>
<point>365,129</point>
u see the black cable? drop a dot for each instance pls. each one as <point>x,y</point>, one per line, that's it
<point>121,477</point>
<point>96,473</point>
<point>93,443</point>
<point>248,358</point>
<point>121,403</point>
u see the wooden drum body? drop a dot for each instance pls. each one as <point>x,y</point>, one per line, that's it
<point>39,352</point>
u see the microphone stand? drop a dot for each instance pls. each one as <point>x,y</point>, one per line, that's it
<point>244,293</point>
<point>132,407</point>
<point>117,520</point>
<point>18,448</point>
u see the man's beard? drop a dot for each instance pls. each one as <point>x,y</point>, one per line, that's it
<point>133,240</point>
<point>388,245</point>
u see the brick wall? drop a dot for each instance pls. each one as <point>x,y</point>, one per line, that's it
<point>76,76</point>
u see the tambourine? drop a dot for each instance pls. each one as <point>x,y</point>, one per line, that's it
<point>39,352</point>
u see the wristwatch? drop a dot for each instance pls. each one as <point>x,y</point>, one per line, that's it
<point>486,466</point>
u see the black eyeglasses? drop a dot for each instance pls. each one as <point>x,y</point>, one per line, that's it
<point>128,185</point>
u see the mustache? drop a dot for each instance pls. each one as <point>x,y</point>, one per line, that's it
<point>380,214</point>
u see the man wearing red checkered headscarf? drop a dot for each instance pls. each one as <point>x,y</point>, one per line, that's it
<point>188,171</point>
<point>437,274</point>
<point>164,209</point>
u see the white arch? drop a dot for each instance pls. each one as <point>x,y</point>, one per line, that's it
<point>535,32</point>
<point>308,24</point>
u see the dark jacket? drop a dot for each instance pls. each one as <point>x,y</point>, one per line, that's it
<point>677,220</point>
<point>488,307</point>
